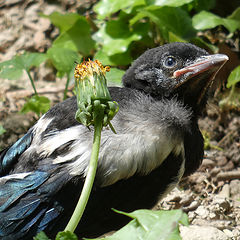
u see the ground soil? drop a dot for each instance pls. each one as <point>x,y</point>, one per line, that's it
<point>211,196</point>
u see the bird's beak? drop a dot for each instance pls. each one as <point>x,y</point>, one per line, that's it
<point>198,76</point>
<point>203,64</point>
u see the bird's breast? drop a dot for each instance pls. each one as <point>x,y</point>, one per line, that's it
<point>136,152</point>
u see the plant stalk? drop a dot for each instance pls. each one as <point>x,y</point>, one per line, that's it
<point>66,87</point>
<point>82,202</point>
<point>32,82</point>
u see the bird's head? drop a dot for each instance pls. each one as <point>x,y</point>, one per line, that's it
<point>176,69</point>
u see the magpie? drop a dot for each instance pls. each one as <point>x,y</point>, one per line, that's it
<point>157,142</point>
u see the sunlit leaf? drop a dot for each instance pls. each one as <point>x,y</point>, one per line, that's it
<point>174,38</point>
<point>149,225</point>
<point>62,21</point>
<point>206,20</point>
<point>41,236</point>
<point>235,15</point>
<point>170,3</point>
<point>66,236</point>
<point>203,44</point>
<point>115,76</point>
<point>13,69</point>
<point>168,19</point>
<point>77,38</point>
<point>200,5</point>
<point>36,104</point>
<point>114,60</point>
<point>234,77</point>
<point>63,59</point>
<point>9,71</point>
<point>105,8</point>
<point>110,43</point>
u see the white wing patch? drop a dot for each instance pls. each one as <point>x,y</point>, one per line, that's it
<point>18,176</point>
<point>56,139</point>
<point>38,128</point>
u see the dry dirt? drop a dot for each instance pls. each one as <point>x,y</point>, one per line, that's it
<point>211,196</point>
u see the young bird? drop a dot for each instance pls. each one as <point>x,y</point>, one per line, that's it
<point>157,143</point>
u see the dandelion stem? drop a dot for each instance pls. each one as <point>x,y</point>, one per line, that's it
<point>82,202</point>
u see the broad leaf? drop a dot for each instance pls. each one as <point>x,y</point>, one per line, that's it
<point>206,20</point>
<point>174,38</point>
<point>13,69</point>
<point>115,76</point>
<point>200,5</point>
<point>41,236</point>
<point>9,70</point>
<point>114,60</point>
<point>203,44</point>
<point>234,77</point>
<point>77,38</point>
<point>66,236</point>
<point>235,15</point>
<point>151,225</point>
<point>63,59</point>
<point>112,43</point>
<point>62,21</point>
<point>36,104</point>
<point>105,8</point>
<point>170,3</point>
<point>168,19</point>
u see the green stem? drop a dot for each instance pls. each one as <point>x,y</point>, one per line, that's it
<point>232,92</point>
<point>32,82</point>
<point>66,87</point>
<point>82,202</point>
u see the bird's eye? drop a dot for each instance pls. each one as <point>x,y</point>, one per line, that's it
<point>170,62</point>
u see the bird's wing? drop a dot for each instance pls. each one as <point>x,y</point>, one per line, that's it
<point>9,156</point>
<point>23,204</point>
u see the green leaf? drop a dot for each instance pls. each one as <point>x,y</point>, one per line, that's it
<point>112,42</point>
<point>41,236</point>
<point>8,70</point>
<point>234,77</point>
<point>115,76</point>
<point>66,236</point>
<point>63,59</point>
<point>151,225</point>
<point>170,3</point>
<point>201,43</point>
<point>206,20</point>
<point>13,69</point>
<point>200,5</point>
<point>117,32</point>
<point>114,60</point>
<point>36,104</point>
<point>235,15</point>
<point>103,58</point>
<point>62,21</point>
<point>174,38</point>
<point>29,60</point>
<point>168,19</point>
<point>76,38</point>
<point>2,130</point>
<point>105,8</point>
